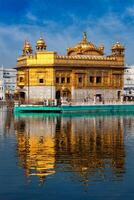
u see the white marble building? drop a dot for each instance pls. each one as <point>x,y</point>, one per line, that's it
<point>7,82</point>
<point>129,82</point>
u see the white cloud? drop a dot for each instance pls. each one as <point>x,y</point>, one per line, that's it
<point>130,11</point>
<point>107,30</point>
<point>31,17</point>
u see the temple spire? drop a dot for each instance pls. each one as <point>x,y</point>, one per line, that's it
<point>85,37</point>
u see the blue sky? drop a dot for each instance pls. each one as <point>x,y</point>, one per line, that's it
<point>61,22</point>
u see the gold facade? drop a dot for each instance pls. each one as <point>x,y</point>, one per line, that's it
<point>84,67</point>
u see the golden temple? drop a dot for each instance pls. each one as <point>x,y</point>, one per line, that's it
<point>84,73</point>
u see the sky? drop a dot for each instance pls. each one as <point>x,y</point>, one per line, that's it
<point>62,22</point>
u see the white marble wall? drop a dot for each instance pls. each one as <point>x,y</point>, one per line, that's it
<point>129,81</point>
<point>106,94</point>
<point>48,92</point>
<point>40,92</point>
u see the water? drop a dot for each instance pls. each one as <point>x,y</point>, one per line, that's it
<point>53,156</point>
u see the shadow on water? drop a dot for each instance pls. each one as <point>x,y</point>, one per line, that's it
<point>89,147</point>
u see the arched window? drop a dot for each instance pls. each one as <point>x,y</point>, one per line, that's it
<point>21,79</point>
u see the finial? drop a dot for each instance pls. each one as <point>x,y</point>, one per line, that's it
<point>85,36</point>
<point>41,35</point>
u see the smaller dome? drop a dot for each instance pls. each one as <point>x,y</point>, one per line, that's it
<point>40,44</point>
<point>27,49</point>
<point>118,45</point>
<point>101,47</point>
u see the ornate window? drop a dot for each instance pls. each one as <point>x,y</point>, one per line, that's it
<point>41,80</point>
<point>91,79</point>
<point>98,79</point>
<point>21,79</point>
<point>79,79</point>
<point>62,79</point>
<point>57,79</point>
<point>68,79</point>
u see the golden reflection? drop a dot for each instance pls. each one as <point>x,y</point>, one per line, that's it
<point>35,146</point>
<point>89,147</point>
<point>92,147</point>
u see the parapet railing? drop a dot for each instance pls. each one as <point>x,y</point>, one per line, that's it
<point>56,102</point>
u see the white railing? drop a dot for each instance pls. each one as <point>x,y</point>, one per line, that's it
<point>64,102</point>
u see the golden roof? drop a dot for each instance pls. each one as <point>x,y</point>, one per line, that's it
<point>85,48</point>
<point>27,48</point>
<point>86,57</point>
<point>118,45</point>
<point>40,44</point>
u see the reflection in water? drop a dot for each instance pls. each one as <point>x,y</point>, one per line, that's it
<point>92,148</point>
<point>6,119</point>
<point>35,146</point>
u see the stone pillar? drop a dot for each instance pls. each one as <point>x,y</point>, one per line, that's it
<point>94,99</point>
<point>121,98</point>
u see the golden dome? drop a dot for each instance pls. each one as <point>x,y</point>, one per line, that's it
<point>40,44</point>
<point>84,43</point>
<point>101,47</point>
<point>118,45</point>
<point>85,48</point>
<point>27,49</point>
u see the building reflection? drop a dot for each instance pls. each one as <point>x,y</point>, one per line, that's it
<point>93,147</point>
<point>6,122</point>
<point>35,146</point>
<point>88,147</point>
